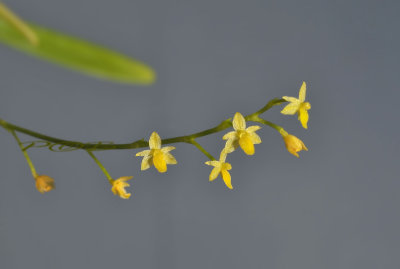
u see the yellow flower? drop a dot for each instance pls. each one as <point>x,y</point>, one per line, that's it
<point>221,167</point>
<point>298,105</point>
<point>44,183</point>
<point>119,185</point>
<point>242,136</point>
<point>157,156</point>
<point>293,144</point>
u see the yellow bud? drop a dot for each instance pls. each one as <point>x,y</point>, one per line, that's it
<point>44,183</point>
<point>293,144</point>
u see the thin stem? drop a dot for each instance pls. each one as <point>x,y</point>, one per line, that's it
<point>18,24</point>
<point>28,159</point>
<point>270,104</point>
<point>142,143</point>
<point>197,145</point>
<point>103,169</point>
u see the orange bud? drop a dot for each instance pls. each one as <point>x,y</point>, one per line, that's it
<point>44,183</point>
<point>293,144</point>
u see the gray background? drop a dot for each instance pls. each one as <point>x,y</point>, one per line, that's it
<point>335,207</point>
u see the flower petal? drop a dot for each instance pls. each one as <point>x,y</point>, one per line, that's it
<point>143,153</point>
<point>169,158</point>
<point>227,166</point>
<point>229,145</point>
<point>155,141</point>
<point>252,129</point>
<point>213,163</point>
<point>290,109</point>
<point>227,178</point>
<point>238,123</point>
<point>125,178</point>
<point>255,138</point>
<point>302,92</point>
<point>167,149</point>
<point>146,162</point>
<point>230,135</point>
<point>303,146</point>
<point>303,117</point>
<point>214,173</point>
<point>291,99</point>
<point>222,156</point>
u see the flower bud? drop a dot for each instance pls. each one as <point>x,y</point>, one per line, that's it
<point>44,183</point>
<point>293,144</point>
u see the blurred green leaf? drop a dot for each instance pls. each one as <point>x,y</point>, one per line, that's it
<point>79,55</point>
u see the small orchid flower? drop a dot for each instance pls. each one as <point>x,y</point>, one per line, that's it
<point>119,185</point>
<point>221,167</point>
<point>157,156</point>
<point>298,105</point>
<point>242,136</point>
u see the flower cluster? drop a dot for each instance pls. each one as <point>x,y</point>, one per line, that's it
<point>242,136</point>
<point>246,138</point>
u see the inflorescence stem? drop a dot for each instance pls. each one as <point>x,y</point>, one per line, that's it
<point>89,147</point>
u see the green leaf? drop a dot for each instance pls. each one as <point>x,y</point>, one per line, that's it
<point>78,54</point>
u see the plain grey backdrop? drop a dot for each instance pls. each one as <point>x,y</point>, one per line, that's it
<point>337,206</point>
